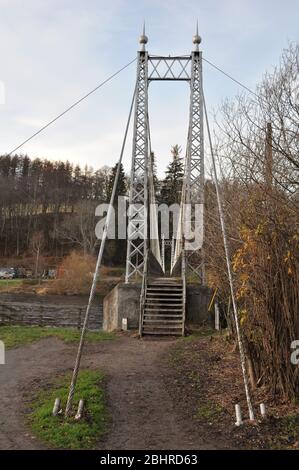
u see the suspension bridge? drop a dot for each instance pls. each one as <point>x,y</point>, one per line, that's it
<point>163,293</point>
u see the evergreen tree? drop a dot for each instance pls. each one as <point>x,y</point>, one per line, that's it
<point>115,250</point>
<point>121,188</point>
<point>172,184</point>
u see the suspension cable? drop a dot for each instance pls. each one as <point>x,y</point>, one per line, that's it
<point>71,106</point>
<point>229,270</point>
<point>97,268</point>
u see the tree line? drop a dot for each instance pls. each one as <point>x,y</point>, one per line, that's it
<point>49,206</point>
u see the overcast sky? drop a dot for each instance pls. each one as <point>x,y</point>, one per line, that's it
<point>54,51</point>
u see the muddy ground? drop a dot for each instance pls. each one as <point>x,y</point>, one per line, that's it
<point>205,379</point>
<point>162,394</point>
<point>144,415</point>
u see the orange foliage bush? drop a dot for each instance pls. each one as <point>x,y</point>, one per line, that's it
<point>75,274</point>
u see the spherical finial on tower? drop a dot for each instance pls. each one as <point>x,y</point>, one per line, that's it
<point>196,38</point>
<point>143,38</point>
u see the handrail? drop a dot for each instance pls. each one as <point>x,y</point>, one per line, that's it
<point>184,288</point>
<point>143,292</point>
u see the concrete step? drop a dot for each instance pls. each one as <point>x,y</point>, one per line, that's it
<point>163,307</point>
<point>162,327</point>
<point>165,289</point>
<point>162,333</point>
<point>157,304</point>
<point>162,322</point>
<point>162,315</point>
<point>165,280</point>
<point>164,294</point>
<point>146,309</point>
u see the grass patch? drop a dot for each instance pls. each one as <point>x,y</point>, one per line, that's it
<point>14,336</point>
<point>64,433</point>
<point>208,412</point>
<point>201,332</point>
<point>176,357</point>
<point>287,433</point>
<point>6,284</point>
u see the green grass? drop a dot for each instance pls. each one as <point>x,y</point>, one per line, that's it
<point>63,433</point>
<point>14,336</point>
<point>208,412</point>
<point>201,332</point>
<point>287,433</point>
<point>8,283</point>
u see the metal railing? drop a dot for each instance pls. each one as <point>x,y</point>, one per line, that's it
<point>184,289</point>
<point>143,292</point>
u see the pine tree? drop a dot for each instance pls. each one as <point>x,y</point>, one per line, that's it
<point>121,188</point>
<point>115,250</point>
<point>172,184</point>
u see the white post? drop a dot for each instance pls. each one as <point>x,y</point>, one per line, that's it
<point>2,352</point>
<point>56,407</point>
<point>263,410</point>
<point>163,252</point>
<point>217,317</point>
<point>80,410</point>
<point>239,421</point>
<point>124,324</point>
<point>172,251</point>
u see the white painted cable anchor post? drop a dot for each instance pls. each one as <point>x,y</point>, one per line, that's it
<point>217,317</point>
<point>239,420</point>
<point>263,410</point>
<point>124,324</point>
<point>56,407</point>
<point>80,410</point>
<point>229,270</point>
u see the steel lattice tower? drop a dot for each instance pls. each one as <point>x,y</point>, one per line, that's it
<point>156,68</point>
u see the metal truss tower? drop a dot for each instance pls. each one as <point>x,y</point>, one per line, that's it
<point>138,199</point>
<point>162,68</point>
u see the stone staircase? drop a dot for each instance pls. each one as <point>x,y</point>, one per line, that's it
<point>164,309</point>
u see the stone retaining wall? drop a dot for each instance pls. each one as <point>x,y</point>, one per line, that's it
<point>37,314</point>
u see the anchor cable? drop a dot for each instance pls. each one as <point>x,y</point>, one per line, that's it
<point>71,107</point>
<point>229,269</point>
<point>97,268</point>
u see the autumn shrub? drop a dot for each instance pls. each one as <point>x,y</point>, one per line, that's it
<point>267,288</point>
<point>74,274</point>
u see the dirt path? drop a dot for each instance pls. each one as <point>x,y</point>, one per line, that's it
<point>144,416</point>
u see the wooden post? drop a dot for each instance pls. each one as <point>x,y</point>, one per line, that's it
<point>268,168</point>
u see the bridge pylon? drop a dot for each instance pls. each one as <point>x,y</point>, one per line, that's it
<point>150,68</point>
